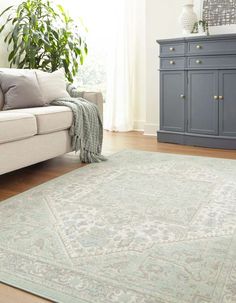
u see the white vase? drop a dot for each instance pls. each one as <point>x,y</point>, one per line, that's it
<point>187,19</point>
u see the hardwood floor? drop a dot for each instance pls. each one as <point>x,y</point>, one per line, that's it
<point>24,179</point>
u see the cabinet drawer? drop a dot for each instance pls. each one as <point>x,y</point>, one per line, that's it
<point>174,49</point>
<point>173,63</point>
<point>212,62</point>
<point>212,47</point>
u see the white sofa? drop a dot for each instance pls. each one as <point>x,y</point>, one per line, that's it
<point>32,135</point>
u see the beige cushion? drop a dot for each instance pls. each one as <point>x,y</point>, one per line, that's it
<point>50,118</point>
<point>52,85</point>
<point>16,126</point>
<point>20,91</point>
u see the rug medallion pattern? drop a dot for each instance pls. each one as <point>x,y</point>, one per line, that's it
<point>140,228</point>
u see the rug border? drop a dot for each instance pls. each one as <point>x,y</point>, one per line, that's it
<point>36,290</point>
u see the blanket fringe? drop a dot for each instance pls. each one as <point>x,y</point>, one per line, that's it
<point>85,155</point>
<point>89,157</point>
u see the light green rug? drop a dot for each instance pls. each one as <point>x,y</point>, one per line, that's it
<point>139,228</point>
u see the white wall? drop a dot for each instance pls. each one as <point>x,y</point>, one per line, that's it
<point>161,22</point>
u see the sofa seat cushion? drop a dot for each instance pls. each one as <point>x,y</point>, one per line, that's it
<point>50,118</point>
<point>16,126</point>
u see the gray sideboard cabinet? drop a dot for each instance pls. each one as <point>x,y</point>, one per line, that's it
<point>198,91</point>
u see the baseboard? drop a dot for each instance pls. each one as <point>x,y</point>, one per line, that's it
<point>139,125</point>
<point>150,129</point>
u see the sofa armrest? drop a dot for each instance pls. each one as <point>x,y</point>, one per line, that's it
<point>94,97</point>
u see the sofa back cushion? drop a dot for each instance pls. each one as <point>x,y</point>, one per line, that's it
<point>20,90</point>
<point>52,85</point>
<point>1,99</point>
<point>11,71</point>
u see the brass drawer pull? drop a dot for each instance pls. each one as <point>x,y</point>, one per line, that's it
<point>172,49</point>
<point>172,62</point>
<point>198,46</point>
<point>221,97</point>
<point>198,61</point>
<point>216,97</point>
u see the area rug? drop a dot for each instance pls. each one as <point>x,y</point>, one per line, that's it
<point>140,228</point>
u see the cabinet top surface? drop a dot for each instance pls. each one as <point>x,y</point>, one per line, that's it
<point>198,38</point>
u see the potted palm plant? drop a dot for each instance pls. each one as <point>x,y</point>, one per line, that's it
<point>43,36</point>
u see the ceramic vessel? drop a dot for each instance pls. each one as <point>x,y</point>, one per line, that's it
<point>187,19</point>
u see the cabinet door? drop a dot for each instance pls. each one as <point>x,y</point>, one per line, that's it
<point>203,104</point>
<point>227,103</point>
<point>172,100</point>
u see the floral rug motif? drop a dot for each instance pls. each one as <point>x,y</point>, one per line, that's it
<point>140,228</point>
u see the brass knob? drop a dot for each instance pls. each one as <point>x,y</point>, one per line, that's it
<point>172,49</point>
<point>198,61</point>
<point>182,96</point>
<point>198,46</point>
<point>216,97</point>
<point>172,62</point>
<point>221,98</point>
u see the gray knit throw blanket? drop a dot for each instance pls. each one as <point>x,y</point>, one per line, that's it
<point>86,130</point>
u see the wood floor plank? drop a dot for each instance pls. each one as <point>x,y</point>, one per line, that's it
<point>13,295</point>
<point>24,179</point>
